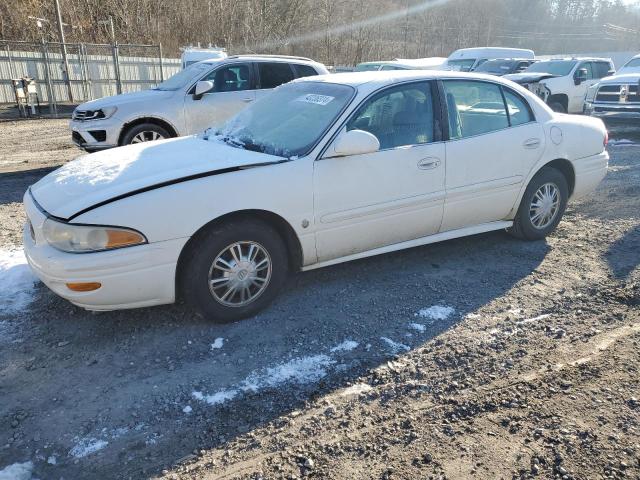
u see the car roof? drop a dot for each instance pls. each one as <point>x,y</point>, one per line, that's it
<point>579,59</point>
<point>388,77</point>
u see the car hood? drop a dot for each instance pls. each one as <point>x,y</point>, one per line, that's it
<point>623,78</point>
<point>532,77</point>
<point>125,98</point>
<point>106,176</point>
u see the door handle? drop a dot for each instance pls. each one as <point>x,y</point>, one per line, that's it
<point>429,163</point>
<point>532,143</point>
<point>247,100</point>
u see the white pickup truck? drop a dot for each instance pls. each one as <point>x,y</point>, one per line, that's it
<point>616,97</point>
<point>563,83</point>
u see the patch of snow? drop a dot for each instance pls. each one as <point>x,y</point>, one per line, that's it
<point>17,471</point>
<point>87,446</point>
<point>187,409</point>
<point>298,370</point>
<point>217,343</point>
<point>356,389</point>
<point>621,142</point>
<point>436,312</point>
<point>534,319</point>
<point>345,346</point>
<point>93,170</point>
<point>16,281</point>
<point>395,346</point>
<point>52,460</point>
<point>516,312</point>
<point>471,316</point>
<point>418,327</point>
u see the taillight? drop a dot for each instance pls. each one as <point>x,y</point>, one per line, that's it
<point>606,138</point>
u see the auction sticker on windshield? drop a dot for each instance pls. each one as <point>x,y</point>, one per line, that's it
<point>315,98</point>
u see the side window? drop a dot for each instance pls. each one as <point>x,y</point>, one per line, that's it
<point>305,71</point>
<point>474,108</point>
<point>233,78</point>
<point>274,74</point>
<point>519,111</point>
<point>398,116</point>
<point>601,69</point>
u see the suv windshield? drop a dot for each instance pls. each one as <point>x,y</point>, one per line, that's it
<point>183,77</point>
<point>461,65</point>
<point>559,68</point>
<point>632,65</point>
<point>289,121</point>
<point>496,66</point>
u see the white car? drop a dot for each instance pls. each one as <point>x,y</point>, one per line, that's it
<point>204,94</point>
<point>321,171</point>
<point>616,97</point>
<point>468,59</point>
<point>563,82</point>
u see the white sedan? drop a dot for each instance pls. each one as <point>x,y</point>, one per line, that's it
<point>323,170</point>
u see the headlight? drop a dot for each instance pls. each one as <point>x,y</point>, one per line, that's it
<point>99,114</point>
<point>87,238</point>
<point>591,93</point>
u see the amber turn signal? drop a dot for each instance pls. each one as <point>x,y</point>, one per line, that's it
<point>84,287</point>
<point>123,238</point>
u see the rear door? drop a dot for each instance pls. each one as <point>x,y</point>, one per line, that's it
<point>494,141</point>
<point>234,88</point>
<point>270,75</point>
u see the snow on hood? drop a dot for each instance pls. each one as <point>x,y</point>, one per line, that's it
<point>102,176</point>
<point>125,98</point>
<point>532,77</point>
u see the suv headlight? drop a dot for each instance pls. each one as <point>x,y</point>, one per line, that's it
<point>591,92</point>
<point>89,238</point>
<point>99,114</point>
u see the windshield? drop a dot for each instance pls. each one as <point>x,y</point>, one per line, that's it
<point>632,65</point>
<point>287,122</point>
<point>559,68</point>
<point>183,77</point>
<point>461,65</point>
<point>366,67</point>
<point>496,66</point>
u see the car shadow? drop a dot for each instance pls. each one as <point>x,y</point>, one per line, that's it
<point>13,185</point>
<point>124,379</point>
<point>622,256</point>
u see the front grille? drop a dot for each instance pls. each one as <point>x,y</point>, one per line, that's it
<point>77,138</point>
<point>618,110</point>
<point>612,93</point>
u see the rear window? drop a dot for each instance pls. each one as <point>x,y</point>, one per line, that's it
<point>305,71</point>
<point>274,74</point>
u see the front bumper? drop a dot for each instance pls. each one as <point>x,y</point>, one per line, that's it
<point>613,111</point>
<point>94,135</point>
<point>132,277</point>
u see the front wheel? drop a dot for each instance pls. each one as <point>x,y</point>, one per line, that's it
<point>146,132</point>
<point>542,206</point>
<point>557,107</point>
<point>233,271</point>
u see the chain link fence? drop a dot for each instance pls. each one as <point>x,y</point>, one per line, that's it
<point>94,70</point>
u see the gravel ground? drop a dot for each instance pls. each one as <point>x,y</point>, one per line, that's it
<point>483,357</point>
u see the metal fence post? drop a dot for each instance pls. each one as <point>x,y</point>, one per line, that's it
<point>12,70</point>
<point>116,66</point>
<point>53,107</point>
<point>161,66</point>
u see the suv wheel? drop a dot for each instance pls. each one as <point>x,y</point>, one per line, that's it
<point>145,132</point>
<point>557,107</point>
<point>234,270</point>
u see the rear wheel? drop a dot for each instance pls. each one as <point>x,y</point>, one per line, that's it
<point>557,107</point>
<point>542,206</point>
<point>145,132</point>
<point>234,270</point>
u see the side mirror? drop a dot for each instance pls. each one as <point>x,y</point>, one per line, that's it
<point>354,142</point>
<point>202,87</point>
<point>611,72</point>
<point>581,76</point>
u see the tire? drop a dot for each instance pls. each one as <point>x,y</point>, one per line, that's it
<point>528,225</point>
<point>557,107</point>
<point>219,244</point>
<point>150,131</point>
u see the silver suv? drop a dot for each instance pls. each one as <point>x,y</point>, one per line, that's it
<point>202,95</point>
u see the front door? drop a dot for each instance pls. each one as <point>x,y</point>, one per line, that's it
<point>396,194</point>
<point>490,151</point>
<point>233,90</point>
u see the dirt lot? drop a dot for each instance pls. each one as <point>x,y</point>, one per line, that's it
<point>484,357</point>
